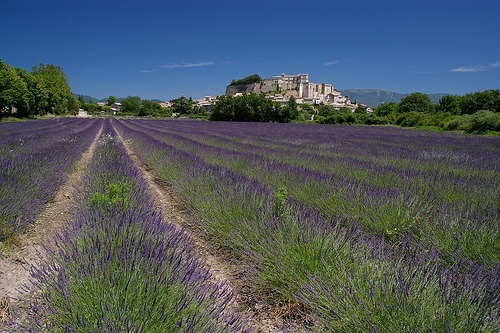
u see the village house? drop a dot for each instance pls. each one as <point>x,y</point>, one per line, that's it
<point>205,102</point>
<point>115,107</point>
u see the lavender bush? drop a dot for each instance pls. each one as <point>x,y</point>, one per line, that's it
<point>384,229</point>
<point>119,268</point>
<point>35,158</point>
<point>437,187</point>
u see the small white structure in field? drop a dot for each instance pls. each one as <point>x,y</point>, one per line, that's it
<point>82,113</point>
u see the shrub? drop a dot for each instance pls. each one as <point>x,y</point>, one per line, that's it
<point>479,122</point>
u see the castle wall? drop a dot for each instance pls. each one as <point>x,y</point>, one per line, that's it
<point>241,88</point>
<point>305,89</point>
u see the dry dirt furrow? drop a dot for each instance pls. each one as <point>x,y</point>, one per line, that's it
<point>15,259</point>
<point>221,265</point>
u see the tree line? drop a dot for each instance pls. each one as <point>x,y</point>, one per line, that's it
<point>254,108</point>
<point>476,112</point>
<point>247,80</point>
<point>182,106</point>
<point>131,106</point>
<point>43,90</point>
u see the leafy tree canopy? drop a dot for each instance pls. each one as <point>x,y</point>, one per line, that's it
<point>253,108</point>
<point>448,104</point>
<point>131,105</point>
<point>60,98</point>
<point>150,108</point>
<point>182,105</point>
<point>13,90</point>
<point>386,109</point>
<point>416,102</point>
<point>111,100</point>
<point>326,111</point>
<point>247,80</point>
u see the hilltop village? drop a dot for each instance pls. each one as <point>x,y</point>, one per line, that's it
<point>281,88</point>
<point>278,88</point>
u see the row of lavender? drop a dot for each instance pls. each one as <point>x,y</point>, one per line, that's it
<point>241,182</point>
<point>119,268</point>
<point>442,188</point>
<point>35,158</point>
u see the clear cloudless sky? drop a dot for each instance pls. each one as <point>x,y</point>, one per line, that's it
<point>163,49</point>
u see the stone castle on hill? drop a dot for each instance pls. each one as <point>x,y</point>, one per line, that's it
<point>297,86</point>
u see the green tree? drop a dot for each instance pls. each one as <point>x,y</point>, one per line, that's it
<point>247,80</point>
<point>223,109</point>
<point>326,110</point>
<point>370,119</point>
<point>290,112</point>
<point>13,91</point>
<point>343,116</point>
<point>248,107</point>
<point>131,105</point>
<point>479,122</point>
<point>91,107</point>
<point>111,100</point>
<point>165,112</point>
<point>81,101</point>
<point>307,108</point>
<point>386,109</point>
<point>182,105</point>
<point>361,109</point>
<point>485,100</point>
<point>412,119</point>
<point>149,108</point>
<point>448,104</point>
<point>345,110</point>
<point>60,99</point>
<point>418,102</point>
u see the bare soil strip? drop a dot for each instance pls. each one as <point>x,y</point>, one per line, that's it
<point>15,259</point>
<point>221,265</point>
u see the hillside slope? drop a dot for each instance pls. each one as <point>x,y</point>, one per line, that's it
<point>375,97</point>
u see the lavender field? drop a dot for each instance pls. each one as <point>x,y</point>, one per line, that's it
<point>352,229</point>
<point>119,268</point>
<point>35,158</point>
<point>370,229</point>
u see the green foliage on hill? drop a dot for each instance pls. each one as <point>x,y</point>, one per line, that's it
<point>247,80</point>
<point>483,121</point>
<point>477,112</point>
<point>254,108</point>
<point>375,97</point>
<point>43,90</point>
<point>182,105</point>
<point>134,106</point>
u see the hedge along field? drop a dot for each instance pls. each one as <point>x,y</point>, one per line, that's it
<point>368,228</point>
<point>35,159</point>
<point>119,268</point>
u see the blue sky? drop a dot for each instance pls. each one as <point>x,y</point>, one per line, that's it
<point>163,49</point>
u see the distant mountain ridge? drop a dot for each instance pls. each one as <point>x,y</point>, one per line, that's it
<point>375,97</point>
<point>87,99</point>
<point>370,97</point>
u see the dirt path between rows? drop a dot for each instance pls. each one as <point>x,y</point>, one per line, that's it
<point>15,259</point>
<point>15,303</point>
<point>221,265</point>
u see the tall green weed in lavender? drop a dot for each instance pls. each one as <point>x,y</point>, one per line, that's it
<point>114,193</point>
<point>280,202</point>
